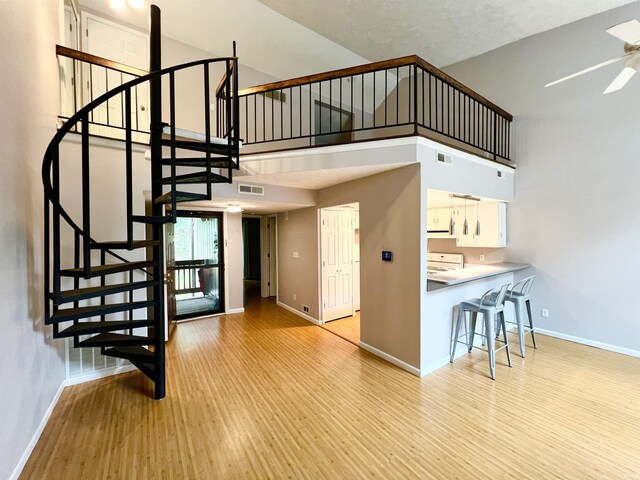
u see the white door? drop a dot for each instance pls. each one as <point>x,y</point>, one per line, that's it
<point>114,42</point>
<point>336,237</point>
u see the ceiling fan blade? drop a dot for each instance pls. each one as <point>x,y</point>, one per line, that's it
<point>628,31</point>
<point>621,80</point>
<point>590,69</point>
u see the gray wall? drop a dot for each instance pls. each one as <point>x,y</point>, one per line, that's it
<point>390,292</point>
<point>32,363</point>
<point>574,216</point>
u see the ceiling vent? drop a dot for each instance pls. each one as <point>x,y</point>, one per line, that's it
<point>251,189</point>
<point>442,158</point>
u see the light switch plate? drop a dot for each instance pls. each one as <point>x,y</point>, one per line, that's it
<point>295,254</point>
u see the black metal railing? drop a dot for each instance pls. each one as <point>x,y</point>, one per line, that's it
<point>85,77</point>
<point>403,96</point>
<point>68,236</point>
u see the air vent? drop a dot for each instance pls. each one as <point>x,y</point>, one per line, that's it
<point>277,95</point>
<point>442,158</point>
<point>251,189</point>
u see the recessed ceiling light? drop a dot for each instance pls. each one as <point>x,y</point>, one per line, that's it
<point>234,209</point>
<point>136,3</point>
<point>117,4</point>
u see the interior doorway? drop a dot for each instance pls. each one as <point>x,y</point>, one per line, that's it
<point>340,270</point>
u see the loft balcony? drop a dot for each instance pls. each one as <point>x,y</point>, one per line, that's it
<point>395,98</point>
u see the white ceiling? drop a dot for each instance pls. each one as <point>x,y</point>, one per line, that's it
<point>289,38</point>
<point>442,32</point>
<point>318,179</point>
<point>267,41</point>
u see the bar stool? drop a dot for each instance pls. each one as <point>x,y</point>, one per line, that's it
<point>519,296</point>
<point>491,306</point>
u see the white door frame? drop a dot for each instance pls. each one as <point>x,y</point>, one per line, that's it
<point>321,309</point>
<point>265,290</point>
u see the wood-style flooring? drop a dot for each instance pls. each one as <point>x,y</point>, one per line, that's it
<point>347,328</point>
<point>266,394</point>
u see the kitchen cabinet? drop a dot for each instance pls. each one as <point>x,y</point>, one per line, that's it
<point>438,219</point>
<point>493,225</point>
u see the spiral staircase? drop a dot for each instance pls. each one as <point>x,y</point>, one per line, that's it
<point>89,281</point>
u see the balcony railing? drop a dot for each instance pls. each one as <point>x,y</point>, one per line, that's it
<point>399,97</point>
<point>393,98</point>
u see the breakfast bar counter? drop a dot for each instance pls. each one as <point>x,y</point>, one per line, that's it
<point>470,273</point>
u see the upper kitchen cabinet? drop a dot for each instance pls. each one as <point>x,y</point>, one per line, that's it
<point>493,226</point>
<point>438,222</point>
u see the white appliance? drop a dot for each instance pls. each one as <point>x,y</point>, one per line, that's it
<point>444,262</point>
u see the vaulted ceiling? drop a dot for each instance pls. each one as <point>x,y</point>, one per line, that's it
<point>441,31</point>
<point>288,38</point>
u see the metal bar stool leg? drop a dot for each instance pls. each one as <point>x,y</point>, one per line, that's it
<point>533,334</point>
<point>472,331</point>
<point>518,306</point>
<point>504,333</point>
<point>455,335</point>
<point>490,328</point>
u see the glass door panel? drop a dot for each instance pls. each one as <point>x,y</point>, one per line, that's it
<point>199,264</point>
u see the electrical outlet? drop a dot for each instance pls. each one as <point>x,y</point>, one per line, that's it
<point>482,258</point>
<point>295,254</point>
<point>545,313</point>
<point>295,297</point>
<point>305,308</point>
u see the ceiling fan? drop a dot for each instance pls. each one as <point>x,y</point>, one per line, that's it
<point>629,32</point>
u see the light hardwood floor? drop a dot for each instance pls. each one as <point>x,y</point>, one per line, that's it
<point>347,328</point>
<point>265,394</point>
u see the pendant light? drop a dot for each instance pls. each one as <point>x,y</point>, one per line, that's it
<point>465,227</point>
<point>477,220</point>
<point>452,222</point>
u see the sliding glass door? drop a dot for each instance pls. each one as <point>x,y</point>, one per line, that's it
<point>199,264</point>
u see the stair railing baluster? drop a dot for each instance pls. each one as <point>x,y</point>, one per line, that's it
<point>172,116</point>
<point>227,89</point>
<point>86,199</point>
<point>56,222</point>
<point>129,166</point>
<point>207,126</point>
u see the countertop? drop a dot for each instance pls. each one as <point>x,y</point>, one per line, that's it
<point>471,273</point>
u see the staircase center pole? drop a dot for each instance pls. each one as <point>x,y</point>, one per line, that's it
<point>155,92</point>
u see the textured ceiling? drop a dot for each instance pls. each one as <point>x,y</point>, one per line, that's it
<point>442,32</point>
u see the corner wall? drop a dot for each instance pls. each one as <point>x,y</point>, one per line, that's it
<point>32,370</point>
<point>574,215</point>
<point>390,295</point>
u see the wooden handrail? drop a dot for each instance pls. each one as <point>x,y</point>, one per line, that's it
<point>373,67</point>
<point>95,60</point>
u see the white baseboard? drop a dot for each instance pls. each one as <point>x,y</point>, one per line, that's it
<point>299,313</point>
<point>460,351</point>
<point>591,343</point>
<point>106,372</point>
<point>234,310</point>
<point>36,436</point>
<point>389,358</point>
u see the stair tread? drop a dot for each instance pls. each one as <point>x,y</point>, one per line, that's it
<point>115,339</point>
<point>216,162</point>
<point>86,328</point>
<point>180,197</point>
<point>150,219</point>
<point>137,353</point>
<point>124,245</point>
<point>107,269</point>
<point>90,292</point>
<point>94,310</point>
<point>149,369</point>
<point>197,177</point>
<point>201,146</point>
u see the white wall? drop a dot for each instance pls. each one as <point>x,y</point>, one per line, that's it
<point>575,211</point>
<point>32,368</point>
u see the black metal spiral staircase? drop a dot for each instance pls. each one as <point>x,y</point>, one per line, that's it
<point>83,289</point>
